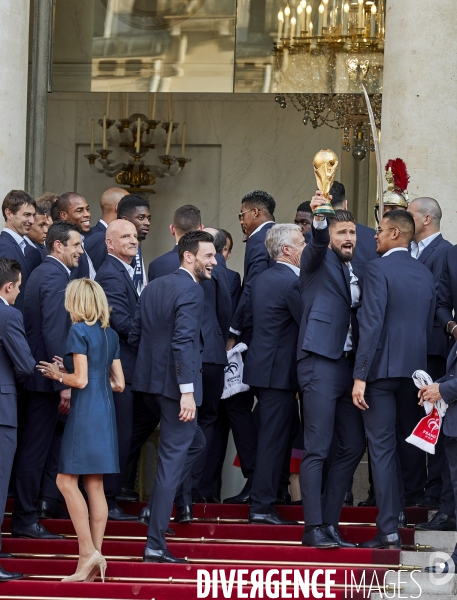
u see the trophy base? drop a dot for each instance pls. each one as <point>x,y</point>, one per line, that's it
<point>325,209</point>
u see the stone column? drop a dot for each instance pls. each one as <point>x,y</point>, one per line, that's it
<point>14,40</point>
<point>419,99</point>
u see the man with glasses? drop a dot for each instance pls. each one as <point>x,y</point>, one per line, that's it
<point>256,218</point>
<point>395,322</point>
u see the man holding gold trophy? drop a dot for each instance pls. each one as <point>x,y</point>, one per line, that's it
<point>330,293</point>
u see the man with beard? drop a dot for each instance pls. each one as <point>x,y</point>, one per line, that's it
<point>330,293</point>
<point>136,210</point>
<point>396,322</point>
<point>18,210</point>
<point>167,333</point>
<point>73,208</point>
<point>46,325</point>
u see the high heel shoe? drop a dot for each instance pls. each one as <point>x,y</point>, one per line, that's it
<point>95,565</point>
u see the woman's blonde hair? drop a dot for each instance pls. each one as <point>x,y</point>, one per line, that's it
<point>85,300</point>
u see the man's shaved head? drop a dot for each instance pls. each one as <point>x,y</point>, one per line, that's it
<point>122,239</point>
<point>111,197</point>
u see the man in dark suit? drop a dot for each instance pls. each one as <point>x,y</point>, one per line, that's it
<point>429,247</point>
<point>167,332</point>
<point>46,325</point>
<point>131,208</point>
<point>108,203</point>
<point>233,276</point>
<point>396,321</point>
<point>18,210</point>
<point>186,218</point>
<point>16,365</point>
<point>330,292</point>
<point>271,365</point>
<point>116,278</point>
<point>256,218</point>
<point>38,231</point>
<point>73,208</point>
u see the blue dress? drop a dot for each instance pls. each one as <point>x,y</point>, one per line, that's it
<point>89,443</point>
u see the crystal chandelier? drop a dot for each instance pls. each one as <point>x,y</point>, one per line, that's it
<point>339,111</point>
<point>138,134</point>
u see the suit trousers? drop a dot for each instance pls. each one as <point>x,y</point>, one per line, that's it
<point>144,423</point>
<point>213,386</point>
<point>38,423</point>
<point>175,440</point>
<point>8,441</point>
<point>436,368</point>
<point>239,411</point>
<point>328,408</point>
<point>389,400</point>
<point>276,410</point>
<point>123,404</point>
<point>210,482</point>
<point>49,489</point>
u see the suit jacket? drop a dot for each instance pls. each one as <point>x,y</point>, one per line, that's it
<point>235,288</point>
<point>218,312</point>
<point>167,333</point>
<point>256,261</point>
<point>433,257</point>
<point>42,250</point>
<point>122,299</point>
<point>46,321</point>
<point>16,361</point>
<point>446,301</point>
<point>396,318</point>
<point>9,248</point>
<point>448,391</point>
<point>164,265</point>
<point>95,247</point>
<point>365,249</point>
<point>97,228</point>
<point>271,359</point>
<point>326,299</point>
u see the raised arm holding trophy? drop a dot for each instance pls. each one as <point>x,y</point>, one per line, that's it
<point>325,164</point>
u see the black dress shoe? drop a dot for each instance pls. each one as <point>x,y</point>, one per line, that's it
<point>316,538</point>
<point>402,520</point>
<point>439,522</point>
<point>6,576</point>
<point>243,497</point>
<point>144,516</point>
<point>160,556</point>
<point>184,514</point>
<point>370,501</point>
<point>415,500</point>
<point>169,531</point>
<point>348,499</point>
<point>197,498</point>
<point>283,498</point>
<point>332,532</point>
<point>270,519</point>
<point>36,532</point>
<point>117,514</point>
<point>51,509</point>
<point>430,502</point>
<point>392,541</point>
<point>127,495</point>
<point>6,555</point>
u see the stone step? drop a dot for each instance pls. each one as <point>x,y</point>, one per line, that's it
<point>439,540</point>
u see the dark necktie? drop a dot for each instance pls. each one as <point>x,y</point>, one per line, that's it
<point>138,274</point>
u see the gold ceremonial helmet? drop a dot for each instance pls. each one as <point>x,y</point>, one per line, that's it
<point>396,195</point>
<point>393,196</point>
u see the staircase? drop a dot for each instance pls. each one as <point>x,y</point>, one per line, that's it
<point>220,541</point>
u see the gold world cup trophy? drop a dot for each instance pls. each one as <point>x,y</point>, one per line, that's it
<point>325,164</point>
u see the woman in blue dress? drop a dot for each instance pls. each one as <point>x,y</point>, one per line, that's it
<point>91,367</point>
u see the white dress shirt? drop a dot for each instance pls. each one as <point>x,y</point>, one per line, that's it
<point>3,300</point>
<point>260,227</point>
<point>92,272</point>
<point>59,261</point>
<point>392,250</point>
<point>418,248</point>
<point>355,297</point>
<point>295,269</point>
<point>130,270</point>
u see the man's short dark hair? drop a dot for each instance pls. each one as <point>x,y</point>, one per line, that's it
<point>305,207</point>
<point>55,214</point>
<point>64,201</point>
<point>59,232</point>
<point>187,218</point>
<point>128,205</point>
<point>342,216</point>
<point>40,211</point>
<point>261,200</point>
<point>228,235</point>
<point>401,219</point>
<point>15,199</point>
<point>190,242</point>
<point>220,241</point>
<point>9,271</point>
<point>338,193</point>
